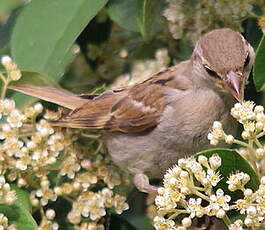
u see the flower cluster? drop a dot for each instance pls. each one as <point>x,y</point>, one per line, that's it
<point>202,16</point>
<point>7,196</point>
<point>189,190</point>
<point>12,70</point>
<point>38,148</point>
<point>49,163</point>
<point>33,146</point>
<point>47,221</point>
<point>93,205</point>
<point>252,205</point>
<point>4,223</point>
<point>188,186</point>
<point>252,118</point>
<point>190,177</point>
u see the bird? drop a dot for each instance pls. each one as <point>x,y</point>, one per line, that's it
<point>149,126</point>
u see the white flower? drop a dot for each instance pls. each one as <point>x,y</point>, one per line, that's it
<point>186,222</point>
<point>15,118</point>
<point>70,166</point>
<point>237,225</point>
<point>15,75</point>
<point>7,131</point>
<point>229,139</point>
<point>217,125</point>
<point>55,142</point>
<point>160,223</point>
<point>252,211</point>
<point>95,207</point>
<point>260,152</point>
<point>213,177</point>
<point>50,214</point>
<point>23,162</point>
<point>38,107</point>
<point>44,128</point>
<point>220,213</point>
<point>8,196</point>
<point>217,134</point>
<point>203,160</point>
<point>119,204</point>
<point>243,112</point>
<point>6,106</point>
<point>12,146</point>
<point>165,202</point>
<point>248,222</point>
<point>6,60</point>
<point>259,109</point>
<point>4,223</point>
<point>195,208</point>
<point>218,202</point>
<point>215,161</point>
<point>237,181</point>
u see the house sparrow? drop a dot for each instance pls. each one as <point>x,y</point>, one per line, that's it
<point>148,126</point>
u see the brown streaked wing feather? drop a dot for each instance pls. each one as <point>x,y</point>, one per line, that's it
<point>132,110</point>
<point>119,112</point>
<point>141,109</point>
<point>92,115</point>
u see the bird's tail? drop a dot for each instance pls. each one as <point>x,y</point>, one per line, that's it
<point>55,95</point>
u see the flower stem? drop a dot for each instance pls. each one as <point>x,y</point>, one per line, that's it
<point>241,143</point>
<point>173,216</point>
<point>2,77</point>
<point>257,142</point>
<point>201,195</point>
<point>260,134</point>
<point>227,220</point>
<point>199,188</point>
<point>6,82</point>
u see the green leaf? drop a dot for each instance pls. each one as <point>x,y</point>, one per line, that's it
<point>8,5</point>
<point>252,32</point>
<point>232,162</point>
<point>147,17</point>
<point>19,212</point>
<point>118,222</point>
<point>125,13</point>
<point>23,101</point>
<point>45,32</point>
<point>22,198</point>
<point>100,89</point>
<point>6,31</point>
<point>259,66</point>
<point>35,78</point>
<point>136,15</point>
<point>140,221</point>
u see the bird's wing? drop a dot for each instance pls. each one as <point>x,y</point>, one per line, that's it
<point>129,110</point>
<point>55,95</point>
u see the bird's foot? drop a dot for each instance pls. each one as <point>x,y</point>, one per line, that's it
<point>141,181</point>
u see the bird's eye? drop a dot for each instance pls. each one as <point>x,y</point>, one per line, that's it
<point>211,72</point>
<point>246,61</point>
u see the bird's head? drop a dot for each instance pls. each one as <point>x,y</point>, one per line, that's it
<point>225,58</point>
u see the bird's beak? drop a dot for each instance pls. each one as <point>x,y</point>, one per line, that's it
<point>234,84</point>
